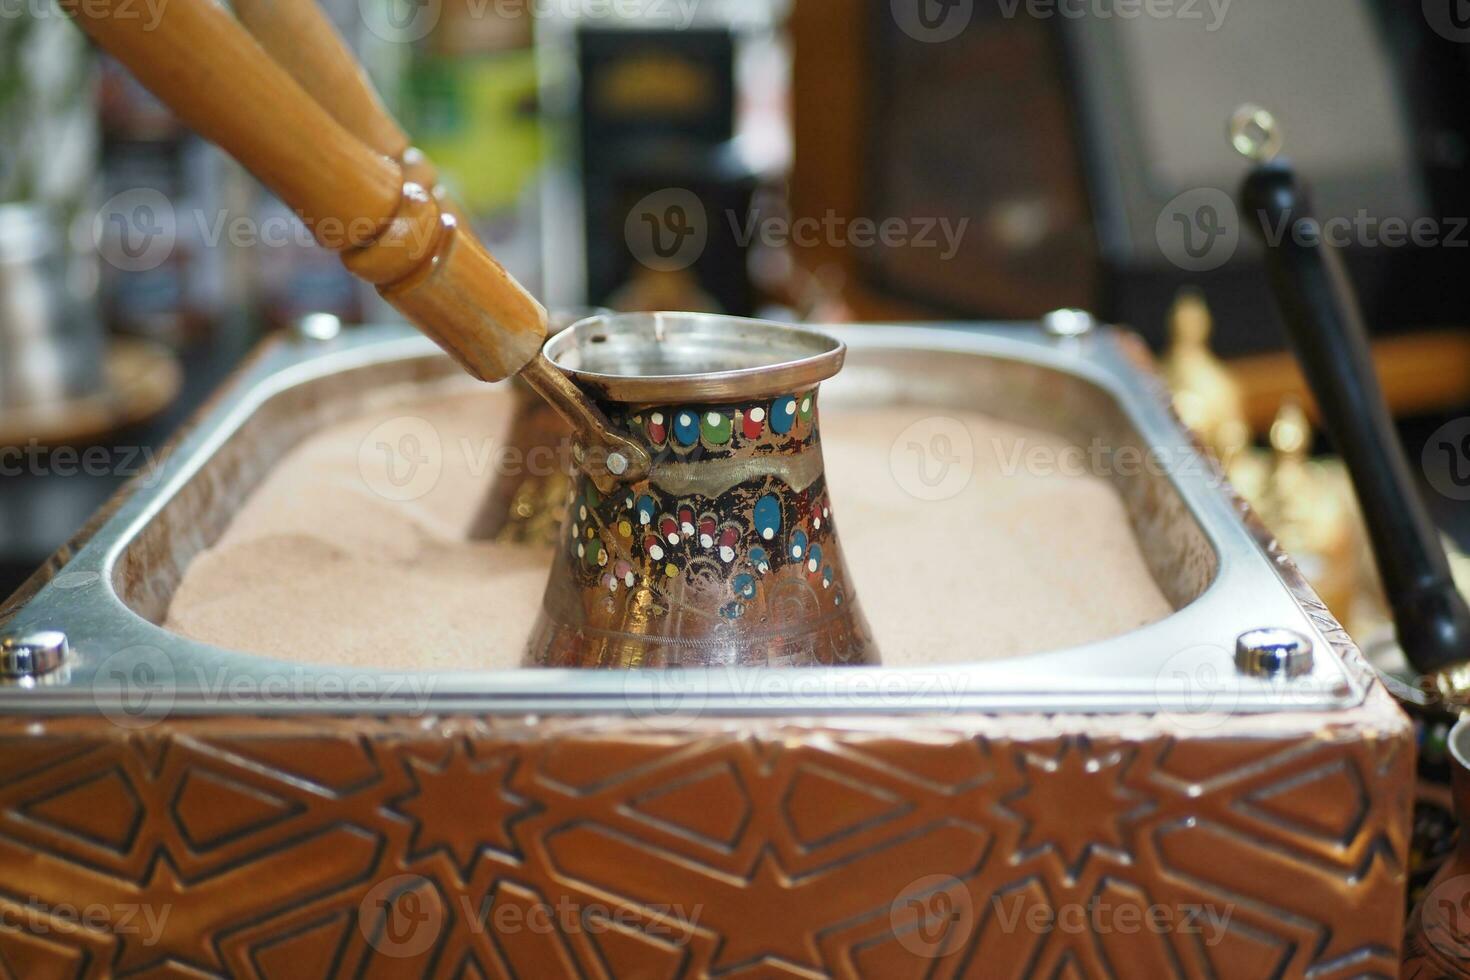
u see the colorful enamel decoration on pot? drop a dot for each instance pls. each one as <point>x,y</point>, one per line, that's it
<point>726,552</point>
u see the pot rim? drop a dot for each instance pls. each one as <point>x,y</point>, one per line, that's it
<point>1458,742</point>
<point>621,357</point>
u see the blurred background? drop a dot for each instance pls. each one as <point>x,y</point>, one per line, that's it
<point>816,160</point>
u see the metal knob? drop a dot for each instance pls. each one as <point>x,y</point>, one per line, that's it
<point>319,326</point>
<point>1255,134</point>
<point>1068,324</point>
<point>32,654</point>
<point>1273,653</point>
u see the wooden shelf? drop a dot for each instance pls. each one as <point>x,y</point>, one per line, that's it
<point>1421,373</point>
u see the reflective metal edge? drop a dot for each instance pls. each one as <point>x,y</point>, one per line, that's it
<point>1183,665</point>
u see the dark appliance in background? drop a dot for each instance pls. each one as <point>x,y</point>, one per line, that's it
<point>970,122</point>
<point>1090,155</point>
<point>163,184</point>
<point>667,193</point>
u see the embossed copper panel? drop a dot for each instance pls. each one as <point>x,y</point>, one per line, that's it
<point>602,847</point>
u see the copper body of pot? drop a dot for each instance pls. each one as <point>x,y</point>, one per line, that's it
<point>528,499</point>
<point>726,553</point>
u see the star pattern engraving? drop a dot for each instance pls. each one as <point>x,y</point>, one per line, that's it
<point>772,900</point>
<point>463,806</point>
<point>1075,804</point>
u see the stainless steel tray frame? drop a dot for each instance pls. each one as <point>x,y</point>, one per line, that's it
<point>110,594</point>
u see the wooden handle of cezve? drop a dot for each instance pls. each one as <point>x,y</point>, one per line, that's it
<point>306,44</point>
<point>1327,331</point>
<point>388,230</point>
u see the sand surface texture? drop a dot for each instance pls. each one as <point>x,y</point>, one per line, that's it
<point>331,562</point>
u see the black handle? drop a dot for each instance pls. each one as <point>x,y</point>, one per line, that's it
<point>1326,325</point>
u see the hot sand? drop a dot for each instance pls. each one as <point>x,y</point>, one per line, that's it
<point>321,566</point>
